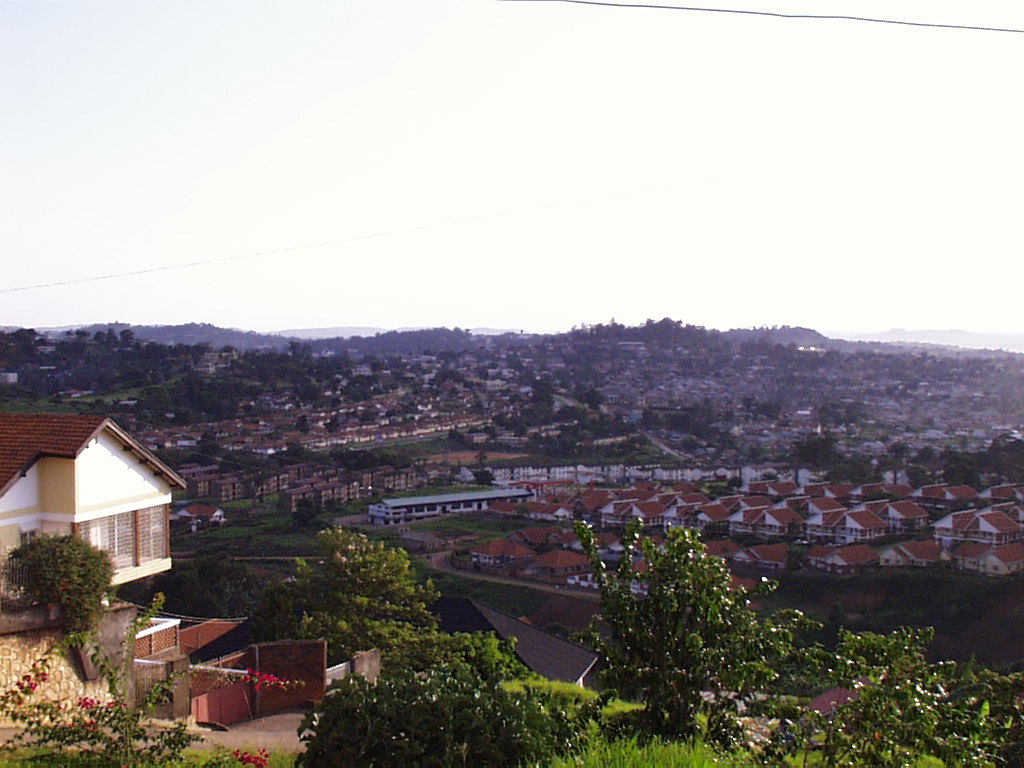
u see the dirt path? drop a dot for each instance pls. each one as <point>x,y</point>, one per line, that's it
<point>439,562</point>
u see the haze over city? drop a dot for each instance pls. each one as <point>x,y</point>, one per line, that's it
<point>521,165</point>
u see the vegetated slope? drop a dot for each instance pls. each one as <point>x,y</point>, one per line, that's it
<point>973,616</point>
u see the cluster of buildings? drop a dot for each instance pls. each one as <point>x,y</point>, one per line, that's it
<point>833,527</point>
<point>320,483</point>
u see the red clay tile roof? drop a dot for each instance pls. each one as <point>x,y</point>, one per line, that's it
<point>775,553</point>
<point>825,504</point>
<point>25,438</point>
<point>908,510</point>
<point>970,549</point>
<point>922,550</point>
<point>865,518</point>
<point>502,548</point>
<point>784,515</point>
<point>715,512</point>
<point>999,521</point>
<point>1009,553</point>
<point>724,548</point>
<point>961,492</point>
<point>855,554</point>
<point>561,558</point>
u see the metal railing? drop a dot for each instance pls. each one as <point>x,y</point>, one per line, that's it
<point>12,577</point>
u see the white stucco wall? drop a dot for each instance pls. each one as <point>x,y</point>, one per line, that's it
<point>23,496</point>
<point>112,480</point>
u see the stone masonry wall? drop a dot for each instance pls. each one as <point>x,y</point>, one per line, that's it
<point>18,652</point>
<point>28,635</point>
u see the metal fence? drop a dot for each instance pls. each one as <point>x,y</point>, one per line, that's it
<point>12,596</point>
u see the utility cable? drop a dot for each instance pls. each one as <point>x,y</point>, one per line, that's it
<point>780,15</point>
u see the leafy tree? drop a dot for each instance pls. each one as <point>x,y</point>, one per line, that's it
<point>206,586</point>
<point>306,512</point>
<point>816,450</point>
<point>483,477</point>
<point>361,595</point>
<point>681,639</point>
<point>903,709</point>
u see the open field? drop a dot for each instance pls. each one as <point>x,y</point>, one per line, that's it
<point>473,457</point>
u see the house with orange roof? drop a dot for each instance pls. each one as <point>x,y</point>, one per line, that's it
<point>713,516</point>
<point>916,554</point>
<point>500,553</point>
<point>84,475</point>
<point>1002,560</point>
<point>764,557</point>
<point>724,548</point>
<point>535,537</point>
<point>1005,492</point>
<point>965,554</point>
<point>559,564</point>
<point>944,496</point>
<point>987,526</point>
<point>904,516</point>
<point>853,558</point>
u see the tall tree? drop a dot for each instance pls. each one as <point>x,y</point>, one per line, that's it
<point>681,639</point>
<point>361,595</point>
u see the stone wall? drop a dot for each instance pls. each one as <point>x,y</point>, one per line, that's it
<point>31,634</point>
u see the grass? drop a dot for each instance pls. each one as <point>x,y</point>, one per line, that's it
<point>483,527</point>
<point>630,753</point>
<point>512,599</point>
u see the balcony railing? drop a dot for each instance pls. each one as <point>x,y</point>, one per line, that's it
<point>12,577</point>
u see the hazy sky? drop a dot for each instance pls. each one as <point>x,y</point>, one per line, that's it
<point>531,165</point>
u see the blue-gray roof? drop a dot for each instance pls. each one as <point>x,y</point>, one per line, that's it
<point>448,498</point>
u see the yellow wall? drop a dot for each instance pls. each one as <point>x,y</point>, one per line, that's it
<point>57,491</point>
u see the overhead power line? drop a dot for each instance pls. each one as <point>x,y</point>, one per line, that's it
<point>780,15</point>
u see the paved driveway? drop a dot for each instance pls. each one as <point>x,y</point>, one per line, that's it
<point>275,733</point>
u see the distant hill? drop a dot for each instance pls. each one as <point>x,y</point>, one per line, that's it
<point>1012,342</point>
<point>801,337</point>
<point>379,341</point>
<point>190,333</point>
<point>345,332</point>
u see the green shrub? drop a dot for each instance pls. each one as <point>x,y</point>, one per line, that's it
<point>442,718</point>
<point>68,572</point>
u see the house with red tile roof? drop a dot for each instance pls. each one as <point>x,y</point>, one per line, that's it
<point>852,558</point>
<point>764,557</point>
<point>917,554</point>
<point>62,474</point>
<point>1005,492</point>
<point>535,537</point>
<point>904,516</point>
<point>766,522</point>
<point>1002,560</point>
<point>558,564</point>
<point>943,496</point>
<point>967,554</point>
<point>724,548</point>
<point>500,553</point>
<point>206,514</point>
<point>842,526</point>
<point>713,516</point>
<point>987,526</point>
<point>775,489</point>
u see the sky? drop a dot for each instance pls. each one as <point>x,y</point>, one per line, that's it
<point>517,165</point>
